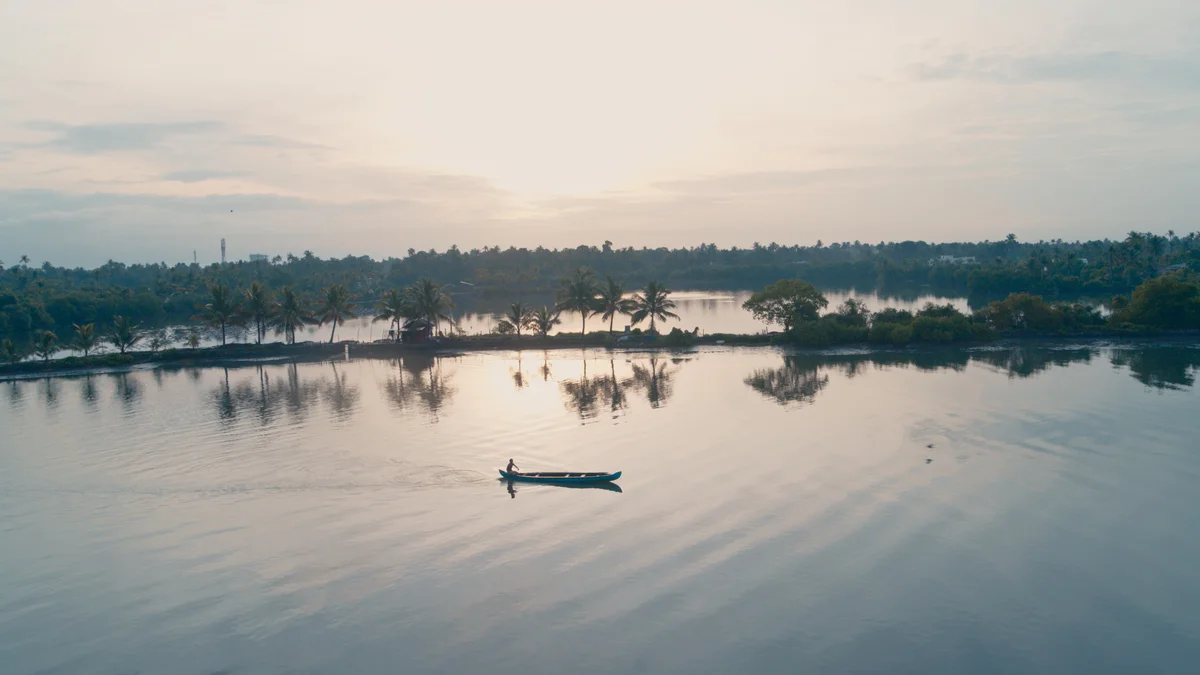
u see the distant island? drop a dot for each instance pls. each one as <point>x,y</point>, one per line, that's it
<point>1149,284</point>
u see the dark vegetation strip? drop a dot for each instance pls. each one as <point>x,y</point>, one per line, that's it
<point>1162,304</point>
<point>47,297</point>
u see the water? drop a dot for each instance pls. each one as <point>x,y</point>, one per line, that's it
<point>778,513</point>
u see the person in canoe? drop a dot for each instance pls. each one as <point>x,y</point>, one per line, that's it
<point>512,467</point>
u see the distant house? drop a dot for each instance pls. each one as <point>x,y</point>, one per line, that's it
<point>1172,268</point>
<point>258,257</point>
<point>416,332</point>
<point>952,260</point>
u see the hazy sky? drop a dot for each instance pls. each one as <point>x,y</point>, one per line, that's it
<point>143,129</point>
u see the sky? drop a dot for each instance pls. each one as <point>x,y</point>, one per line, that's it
<point>144,130</point>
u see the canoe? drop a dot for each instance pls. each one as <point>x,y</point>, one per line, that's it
<point>562,476</point>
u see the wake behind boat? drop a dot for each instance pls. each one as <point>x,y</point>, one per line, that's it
<point>562,476</point>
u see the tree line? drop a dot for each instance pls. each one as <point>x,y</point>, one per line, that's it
<point>1167,302</point>
<point>259,309</point>
<point>584,294</point>
<point>53,297</point>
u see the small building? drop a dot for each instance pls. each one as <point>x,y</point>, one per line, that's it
<point>259,257</point>
<point>952,260</point>
<point>416,332</point>
<point>1172,268</point>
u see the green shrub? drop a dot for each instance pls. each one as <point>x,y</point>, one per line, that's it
<point>679,338</point>
<point>941,328</point>
<point>812,334</point>
<point>892,315</point>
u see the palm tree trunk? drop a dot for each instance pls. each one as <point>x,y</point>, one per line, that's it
<point>611,319</point>
<point>333,331</point>
<point>222,336</point>
<point>583,323</point>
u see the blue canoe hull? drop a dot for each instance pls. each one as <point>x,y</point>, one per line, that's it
<point>565,478</point>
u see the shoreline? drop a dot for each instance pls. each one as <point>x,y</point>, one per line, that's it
<point>249,354</point>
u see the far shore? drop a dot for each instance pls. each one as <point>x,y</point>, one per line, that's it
<point>242,354</point>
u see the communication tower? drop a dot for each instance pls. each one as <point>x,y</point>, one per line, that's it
<point>222,251</point>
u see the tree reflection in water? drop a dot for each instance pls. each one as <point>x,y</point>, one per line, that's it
<point>1022,362</point>
<point>615,389</point>
<point>655,379</point>
<point>223,398</point>
<point>794,382</point>
<point>87,391</point>
<point>341,396</point>
<point>803,376</point>
<point>1161,368</point>
<point>266,397</point>
<point>584,395</point>
<point>127,390</point>
<point>298,395</point>
<point>418,378</point>
<point>518,375</point>
<point>49,388</point>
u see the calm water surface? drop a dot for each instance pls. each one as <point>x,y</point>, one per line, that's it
<point>999,511</point>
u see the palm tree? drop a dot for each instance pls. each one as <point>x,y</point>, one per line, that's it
<point>86,338</point>
<point>1155,245</point>
<point>11,353</point>
<point>612,301</point>
<point>336,306</point>
<point>653,302</point>
<point>519,315</point>
<point>45,344</point>
<point>222,308</point>
<point>124,334</point>
<point>578,294</point>
<point>394,308</point>
<point>260,306</point>
<point>429,301</point>
<point>544,320</point>
<point>290,315</point>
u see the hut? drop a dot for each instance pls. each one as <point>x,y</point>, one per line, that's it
<point>416,332</point>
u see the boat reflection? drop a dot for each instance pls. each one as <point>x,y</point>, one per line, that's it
<point>511,486</point>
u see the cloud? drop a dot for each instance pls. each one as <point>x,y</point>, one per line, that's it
<point>199,175</point>
<point>92,139</point>
<point>1179,70</point>
<point>20,204</point>
<point>753,182</point>
<point>269,141</point>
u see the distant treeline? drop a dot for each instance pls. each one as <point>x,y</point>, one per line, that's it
<point>47,297</point>
<point>1163,304</point>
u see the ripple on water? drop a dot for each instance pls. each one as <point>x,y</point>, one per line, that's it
<point>347,517</point>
